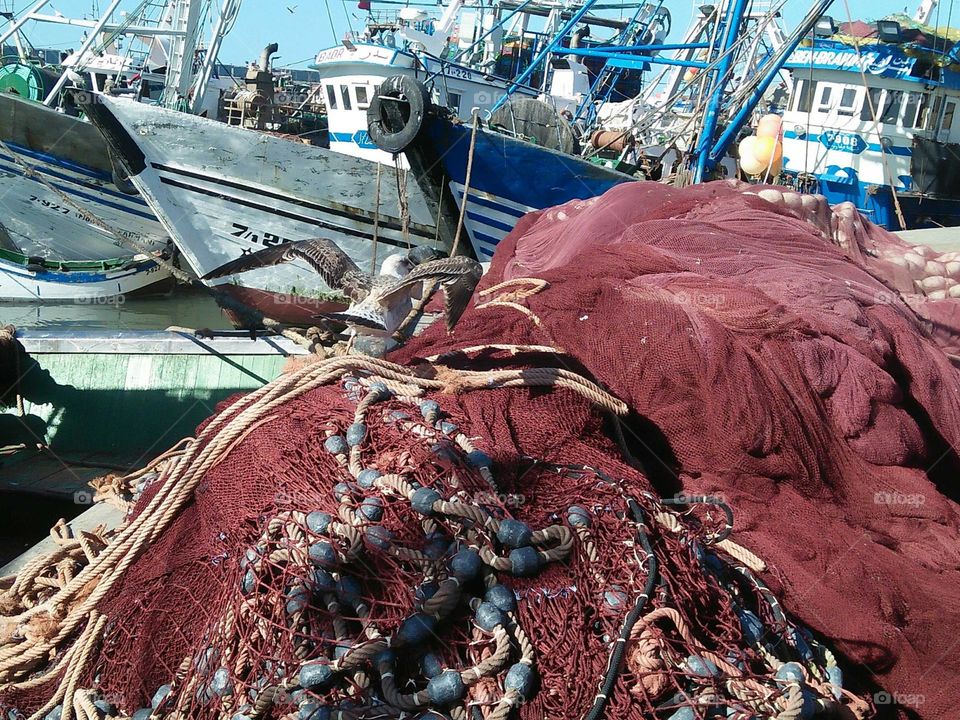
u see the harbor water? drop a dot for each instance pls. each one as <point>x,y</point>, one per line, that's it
<point>183,308</point>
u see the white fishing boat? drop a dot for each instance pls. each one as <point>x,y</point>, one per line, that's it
<point>476,55</point>
<point>33,279</point>
<point>872,118</point>
<point>223,191</point>
<point>57,172</point>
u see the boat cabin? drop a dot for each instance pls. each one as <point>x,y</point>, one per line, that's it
<point>874,121</point>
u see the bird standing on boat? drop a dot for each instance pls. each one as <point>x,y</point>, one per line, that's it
<point>380,303</point>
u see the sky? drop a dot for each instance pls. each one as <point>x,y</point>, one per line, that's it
<point>303,27</point>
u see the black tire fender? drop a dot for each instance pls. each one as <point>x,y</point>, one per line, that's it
<point>395,117</point>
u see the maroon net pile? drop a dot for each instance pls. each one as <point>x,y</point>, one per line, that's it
<point>463,536</point>
<point>787,375</point>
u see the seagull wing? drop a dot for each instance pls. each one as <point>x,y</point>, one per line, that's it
<point>330,262</point>
<point>457,275</point>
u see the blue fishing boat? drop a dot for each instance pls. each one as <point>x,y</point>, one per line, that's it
<point>493,174</point>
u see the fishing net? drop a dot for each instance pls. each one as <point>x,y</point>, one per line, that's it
<point>547,514</point>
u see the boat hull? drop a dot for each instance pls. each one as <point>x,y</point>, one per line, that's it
<point>508,178</point>
<point>83,283</point>
<point>225,191</point>
<point>70,155</point>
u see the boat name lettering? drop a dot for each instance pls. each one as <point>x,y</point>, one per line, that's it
<point>267,239</point>
<point>843,141</point>
<point>873,62</point>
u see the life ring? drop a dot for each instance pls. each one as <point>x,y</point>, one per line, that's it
<point>395,117</point>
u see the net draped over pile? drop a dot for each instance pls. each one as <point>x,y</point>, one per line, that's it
<point>768,366</point>
<point>759,365</point>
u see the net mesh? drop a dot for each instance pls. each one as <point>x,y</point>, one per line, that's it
<point>470,535</point>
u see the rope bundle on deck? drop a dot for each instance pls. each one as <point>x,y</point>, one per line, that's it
<point>396,572</point>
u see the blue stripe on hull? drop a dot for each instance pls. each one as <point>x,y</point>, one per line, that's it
<point>503,172</point>
<point>73,192</point>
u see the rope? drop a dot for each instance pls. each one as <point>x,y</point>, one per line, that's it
<point>466,183</point>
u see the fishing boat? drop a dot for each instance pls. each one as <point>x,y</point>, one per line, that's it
<point>872,119</point>
<point>476,54</point>
<point>57,170</point>
<point>223,191</point>
<point>499,175</point>
<point>35,279</point>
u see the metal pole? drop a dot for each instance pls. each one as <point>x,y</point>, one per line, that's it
<point>22,21</point>
<point>87,44</point>
<point>227,13</point>
<point>547,50</point>
<point>733,21</point>
<point>720,147</point>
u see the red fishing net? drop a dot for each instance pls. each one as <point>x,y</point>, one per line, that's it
<point>359,549</point>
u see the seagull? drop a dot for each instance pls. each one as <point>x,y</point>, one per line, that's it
<point>379,303</point>
<point>292,8</point>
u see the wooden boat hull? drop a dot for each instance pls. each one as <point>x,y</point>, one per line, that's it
<point>71,155</point>
<point>224,191</point>
<point>79,282</point>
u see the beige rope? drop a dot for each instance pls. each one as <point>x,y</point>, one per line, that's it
<point>466,183</point>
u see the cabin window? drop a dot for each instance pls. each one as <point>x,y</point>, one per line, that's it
<point>947,122</point>
<point>453,101</point>
<point>933,118</point>
<point>331,98</point>
<point>873,107</point>
<point>848,102</point>
<point>363,101</point>
<point>804,96</point>
<point>921,120</point>
<point>345,94</point>
<point>891,107</point>
<point>823,104</point>
<point>913,109</point>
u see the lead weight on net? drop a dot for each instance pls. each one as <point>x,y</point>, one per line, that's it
<point>416,629</point>
<point>430,409</point>
<point>466,564</point>
<point>323,553</point>
<point>522,678</point>
<point>430,665</point>
<point>313,711</point>
<point>356,434</point>
<point>423,500</point>
<point>314,674</point>
<point>367,478</point>
<point>489,616</point>
<point>319,522</point>
<point>336,444</point>
<point>514,534</point>
<point>379,536</point>
<point>502,597</point>
<point>524,562</point>
<point>578,516</point>
<point>446,688</point>
<point>479,459</point>
<point>372,509</point>
<point>159,696</point>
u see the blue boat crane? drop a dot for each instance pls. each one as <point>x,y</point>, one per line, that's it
<point>721,120</point>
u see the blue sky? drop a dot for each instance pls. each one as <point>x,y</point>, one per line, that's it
<point>307,29</point>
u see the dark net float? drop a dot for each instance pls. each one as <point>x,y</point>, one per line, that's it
<point>546,514</point>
